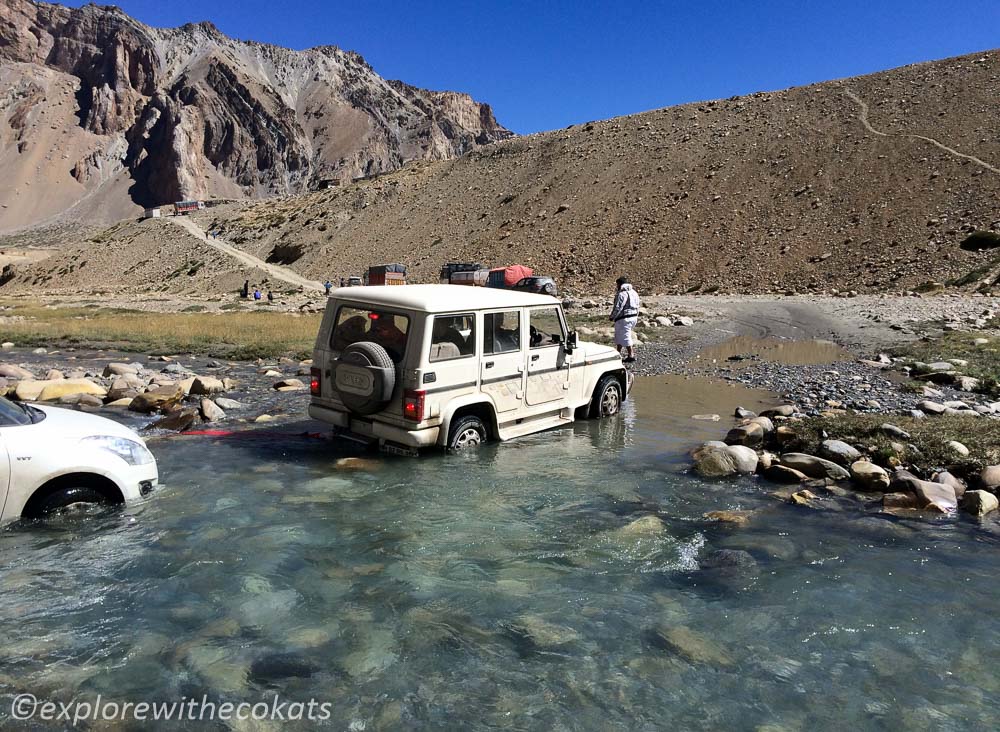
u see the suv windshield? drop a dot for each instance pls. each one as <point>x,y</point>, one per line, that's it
<point>388,330</point>
<point>15,413</point>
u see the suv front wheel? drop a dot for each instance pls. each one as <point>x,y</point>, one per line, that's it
<point>607,401</point>
<point>466,432</point>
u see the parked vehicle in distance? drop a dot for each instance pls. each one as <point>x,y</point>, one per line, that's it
<point>435,365</point>
<point>355,282</point>
<point>475,278</point>
<point>504,277</point>
<point>186,207</point>
<point>52,458</point>
<point>449,270</point>
<point>386,274</point>
<point>537,284</point>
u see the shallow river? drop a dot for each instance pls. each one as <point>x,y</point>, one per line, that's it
<point>502,589</point>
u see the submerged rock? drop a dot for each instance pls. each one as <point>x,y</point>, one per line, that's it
<point>784,474</point>
<point>690,645</point>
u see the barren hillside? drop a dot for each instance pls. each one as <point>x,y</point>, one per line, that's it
<point>100,115</point>
<point>799,190</point>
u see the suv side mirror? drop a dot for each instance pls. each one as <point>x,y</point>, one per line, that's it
<point>572,342</point>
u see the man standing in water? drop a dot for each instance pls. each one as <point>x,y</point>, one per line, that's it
<point>625,314</point>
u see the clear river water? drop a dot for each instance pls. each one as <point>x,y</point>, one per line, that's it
<point>550,583</point>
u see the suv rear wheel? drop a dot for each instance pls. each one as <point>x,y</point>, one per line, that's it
<point>607,401</point>
<point>466,433</point>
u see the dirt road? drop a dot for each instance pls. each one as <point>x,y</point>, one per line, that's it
<point>281,273</point>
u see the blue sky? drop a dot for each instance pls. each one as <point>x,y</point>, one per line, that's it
<point>545,65</point>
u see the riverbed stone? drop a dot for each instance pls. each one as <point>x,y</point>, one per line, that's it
<point>784,410</point>
<point>869,476</point>
<point>958,448</point>
<point>119,369</point>
<point>690,645</point>
<point>542,633</point>
<point>893,431</point>
<point>178,421</point>
<point>814,467</point>
<point>900,500</point>
<point>289,385</point>
<point>803,498</point>
<point>228,403</point>
<point>54,375</point>
<point>783,474</point>
<point>157,398</point>
<point>957,484</point>
<point>979,503</point>
<point>744,457</point>
<point>929,407</point>
<point>10,371</point>
<point>714,461</point>
<point>750,434</point>
<point>989,479</point>
<point>206,386</point>
<point>729,517</point>
<point>935,495</point>
<point>54,390</point>
<point>839,452</point>
<point>742,413</point>
<point>729,560</point>
<point>211,412</point>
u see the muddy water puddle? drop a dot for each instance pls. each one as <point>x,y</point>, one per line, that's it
<point>747,350</point>
<point>677,411</point>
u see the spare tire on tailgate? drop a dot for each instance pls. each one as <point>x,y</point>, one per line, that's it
<point>364,377</point>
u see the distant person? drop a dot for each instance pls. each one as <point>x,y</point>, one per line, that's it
<point>256,294</point>
<point>328,286</point>
<point>245,292</point>
<point>342,282</point>
<point>625,314</point>
<point>270,297</point>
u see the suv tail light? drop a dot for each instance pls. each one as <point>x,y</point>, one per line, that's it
<point>315,381</point>
<point>413,404</point>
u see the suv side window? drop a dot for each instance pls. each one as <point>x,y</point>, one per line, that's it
<point>546,327</point>
<point>453,336</point>
<point>502,332</point>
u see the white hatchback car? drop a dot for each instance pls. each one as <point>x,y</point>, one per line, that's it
<point>423,365</point>
<point>51,458</point>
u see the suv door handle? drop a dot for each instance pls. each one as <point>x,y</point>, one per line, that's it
<point>488,364</point>
<point>534,358</point>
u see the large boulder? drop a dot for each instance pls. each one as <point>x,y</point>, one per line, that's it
<point>814,467</point>
<point>785,410</point>
<point>929,495</point>
<point>869,476</point>
<point>713,460</point>
<point>59,388</point>
<point>979,503</point>
<point>839,452</point>
<point>929,407</point>
<point>120,369</point>
<point>178,421</point>
<point>744,457</point>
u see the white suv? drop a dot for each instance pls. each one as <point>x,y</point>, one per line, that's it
<point>52,458</point>
<point>423,365</point>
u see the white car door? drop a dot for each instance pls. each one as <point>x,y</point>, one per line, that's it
<point>502,362</point>
<point>548,362</point>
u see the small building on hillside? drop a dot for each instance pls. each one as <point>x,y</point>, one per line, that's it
<point>151,213</point>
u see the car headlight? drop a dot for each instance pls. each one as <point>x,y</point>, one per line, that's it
<point>132,452</point>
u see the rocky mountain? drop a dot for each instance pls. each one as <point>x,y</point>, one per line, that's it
<point>101,114</point>
<point>879,183</point>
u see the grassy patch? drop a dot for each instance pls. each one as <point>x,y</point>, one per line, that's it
<point>245,335</point>
<point>984,360</point>
<point>929,436</point>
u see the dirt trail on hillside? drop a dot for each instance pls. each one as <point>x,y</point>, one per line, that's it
<point>863,117</point>
<point>281,273</point>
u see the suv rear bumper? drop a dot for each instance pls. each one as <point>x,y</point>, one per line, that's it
<point>425,437</point>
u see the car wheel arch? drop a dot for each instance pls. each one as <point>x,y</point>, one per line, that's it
<point>100,483</point>
<point>482,408</point>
